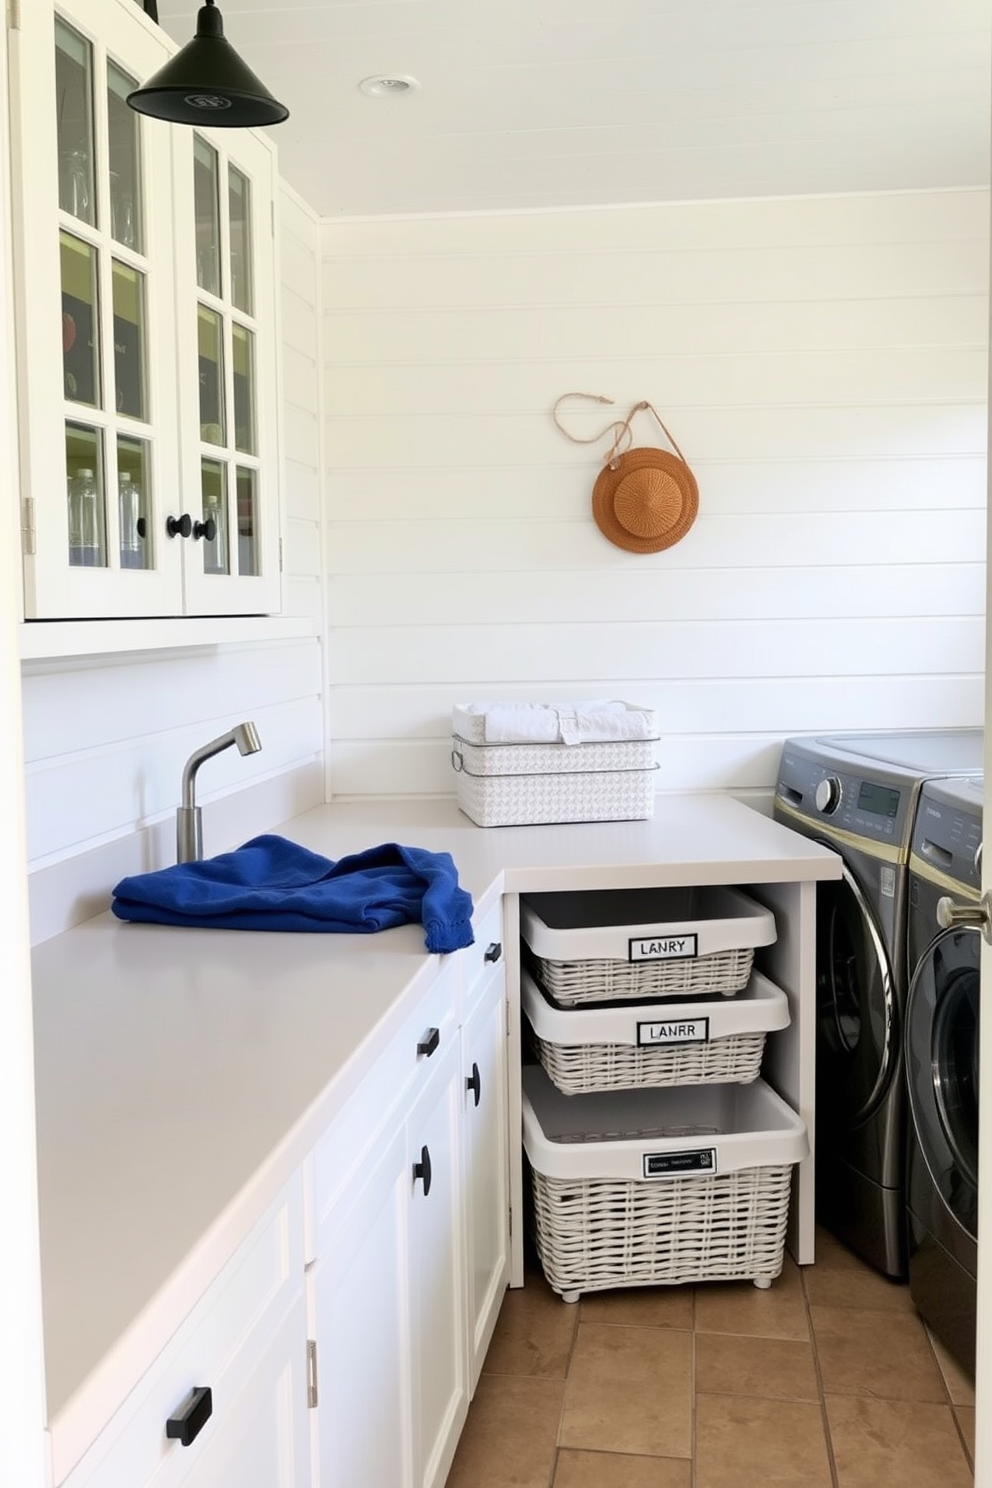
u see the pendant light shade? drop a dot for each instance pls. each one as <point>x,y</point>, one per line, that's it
<point>207,83</point>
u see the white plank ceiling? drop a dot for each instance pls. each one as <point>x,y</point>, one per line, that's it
<point>560,103</point>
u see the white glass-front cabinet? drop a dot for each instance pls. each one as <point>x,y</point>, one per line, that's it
<point>146,334</point>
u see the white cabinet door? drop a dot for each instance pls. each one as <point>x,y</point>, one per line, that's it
<point>224,194</point>
<point>387,1284</point>
<point>486,1165</point>
<point>95,279</point>
<point>261,1429</point>
<point>244,1342</point>
<point>436,1277</point>
<point>361,1319</point>
<point>146,334</point>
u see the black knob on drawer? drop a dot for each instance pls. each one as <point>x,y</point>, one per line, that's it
<point>191,1417</point>
<point>422,1170</point>
<point>429,1042</point>
<point>207,529</point>
<point>493,951</point>
<point>179,526</point>
<point>474,1083</point>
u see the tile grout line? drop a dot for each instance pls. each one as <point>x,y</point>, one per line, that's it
<point>831,1459</point>
<point>950,1400</point>
<point>693,1442</point>
<point>577,1317</point>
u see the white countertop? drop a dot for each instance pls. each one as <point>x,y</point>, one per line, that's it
<point>182,1075</point>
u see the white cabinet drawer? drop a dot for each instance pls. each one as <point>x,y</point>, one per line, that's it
<point>412,1054</point>
<point>210,1348</point>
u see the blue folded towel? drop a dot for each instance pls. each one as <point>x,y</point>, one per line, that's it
<point>271,883</point>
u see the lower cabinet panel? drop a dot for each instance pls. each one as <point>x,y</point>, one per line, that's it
<point>361,1321</point>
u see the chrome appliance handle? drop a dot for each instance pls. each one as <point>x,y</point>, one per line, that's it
<point>954,916</point>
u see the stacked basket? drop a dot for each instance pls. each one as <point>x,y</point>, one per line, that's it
<point>657,1154</point>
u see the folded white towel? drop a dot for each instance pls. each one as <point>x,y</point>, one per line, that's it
<point>565,723</point>
<point>595,723</point>
<point>520,723</point>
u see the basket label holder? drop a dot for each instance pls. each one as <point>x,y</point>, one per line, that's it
<point>663,947</point>
<point>673,1031</point>
<point>679,1164</point>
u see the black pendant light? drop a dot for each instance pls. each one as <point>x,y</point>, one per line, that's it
<point>207,83</point>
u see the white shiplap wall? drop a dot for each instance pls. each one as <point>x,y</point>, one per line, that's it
<point>105,738</point>
<point>822,363</point>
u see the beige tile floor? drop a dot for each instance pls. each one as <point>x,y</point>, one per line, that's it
<point>828,1380</point>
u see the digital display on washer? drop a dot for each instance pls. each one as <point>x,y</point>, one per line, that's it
<point>882,800</point>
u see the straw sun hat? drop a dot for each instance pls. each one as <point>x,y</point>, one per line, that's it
<point>644,499</point>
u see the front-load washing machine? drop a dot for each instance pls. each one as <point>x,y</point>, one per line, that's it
<point>857,793</point>
<point>942,1020</point>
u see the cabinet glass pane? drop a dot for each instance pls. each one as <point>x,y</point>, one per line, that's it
<point>80,322</point>
<point>213,488</point>
<point>85,496</point>
<point>211,353</point>
<point>129,340</point>
<point>243,357</point>
<point>247,491</point>
<point>239,212</point>
<point>133,504</point>
<point>74,121</point>
<point>206,206</point>
<point>123,150</point>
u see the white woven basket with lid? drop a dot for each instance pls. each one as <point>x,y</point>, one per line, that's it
<point>631,944</point>
<point>625,1046</point>
<point>659,1187</point>
<point>530,783</point>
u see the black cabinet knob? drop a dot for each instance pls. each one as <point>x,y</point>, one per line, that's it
<point>207,529</point>
<point>179,526</point>
<point>141,526</point>
<point>475,1083</point>
<point>422,1170</point>
<point>429,1042</point>
<point>189,1420</point>
<point>493,951</point>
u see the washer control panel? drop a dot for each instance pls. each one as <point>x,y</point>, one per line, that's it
<point>948,836</point>
<point>875,807</point>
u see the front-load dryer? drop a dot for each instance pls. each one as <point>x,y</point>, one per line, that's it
<point>942,1021</point>
<point>857,793</point>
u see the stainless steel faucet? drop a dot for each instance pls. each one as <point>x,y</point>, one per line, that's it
<point>189,827</point>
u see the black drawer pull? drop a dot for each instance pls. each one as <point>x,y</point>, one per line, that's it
<point>475,1083</point>
<point>493,951</point>
<point>429,1042</point>
<point>191,1417</point>
<point>423,1170</point>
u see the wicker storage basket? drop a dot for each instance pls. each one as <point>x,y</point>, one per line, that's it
<point>625,1046</point>
<point>528,784</point>
<point>632,944</point>
<point>633,1188</point>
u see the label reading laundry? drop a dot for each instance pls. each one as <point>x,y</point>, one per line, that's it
<point>675,1031</point>
<point>662,948</point>
<point>677,1164</point>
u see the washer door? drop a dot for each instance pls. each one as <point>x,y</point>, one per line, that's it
<point>942,1068</point>
<point>857,1029</point>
